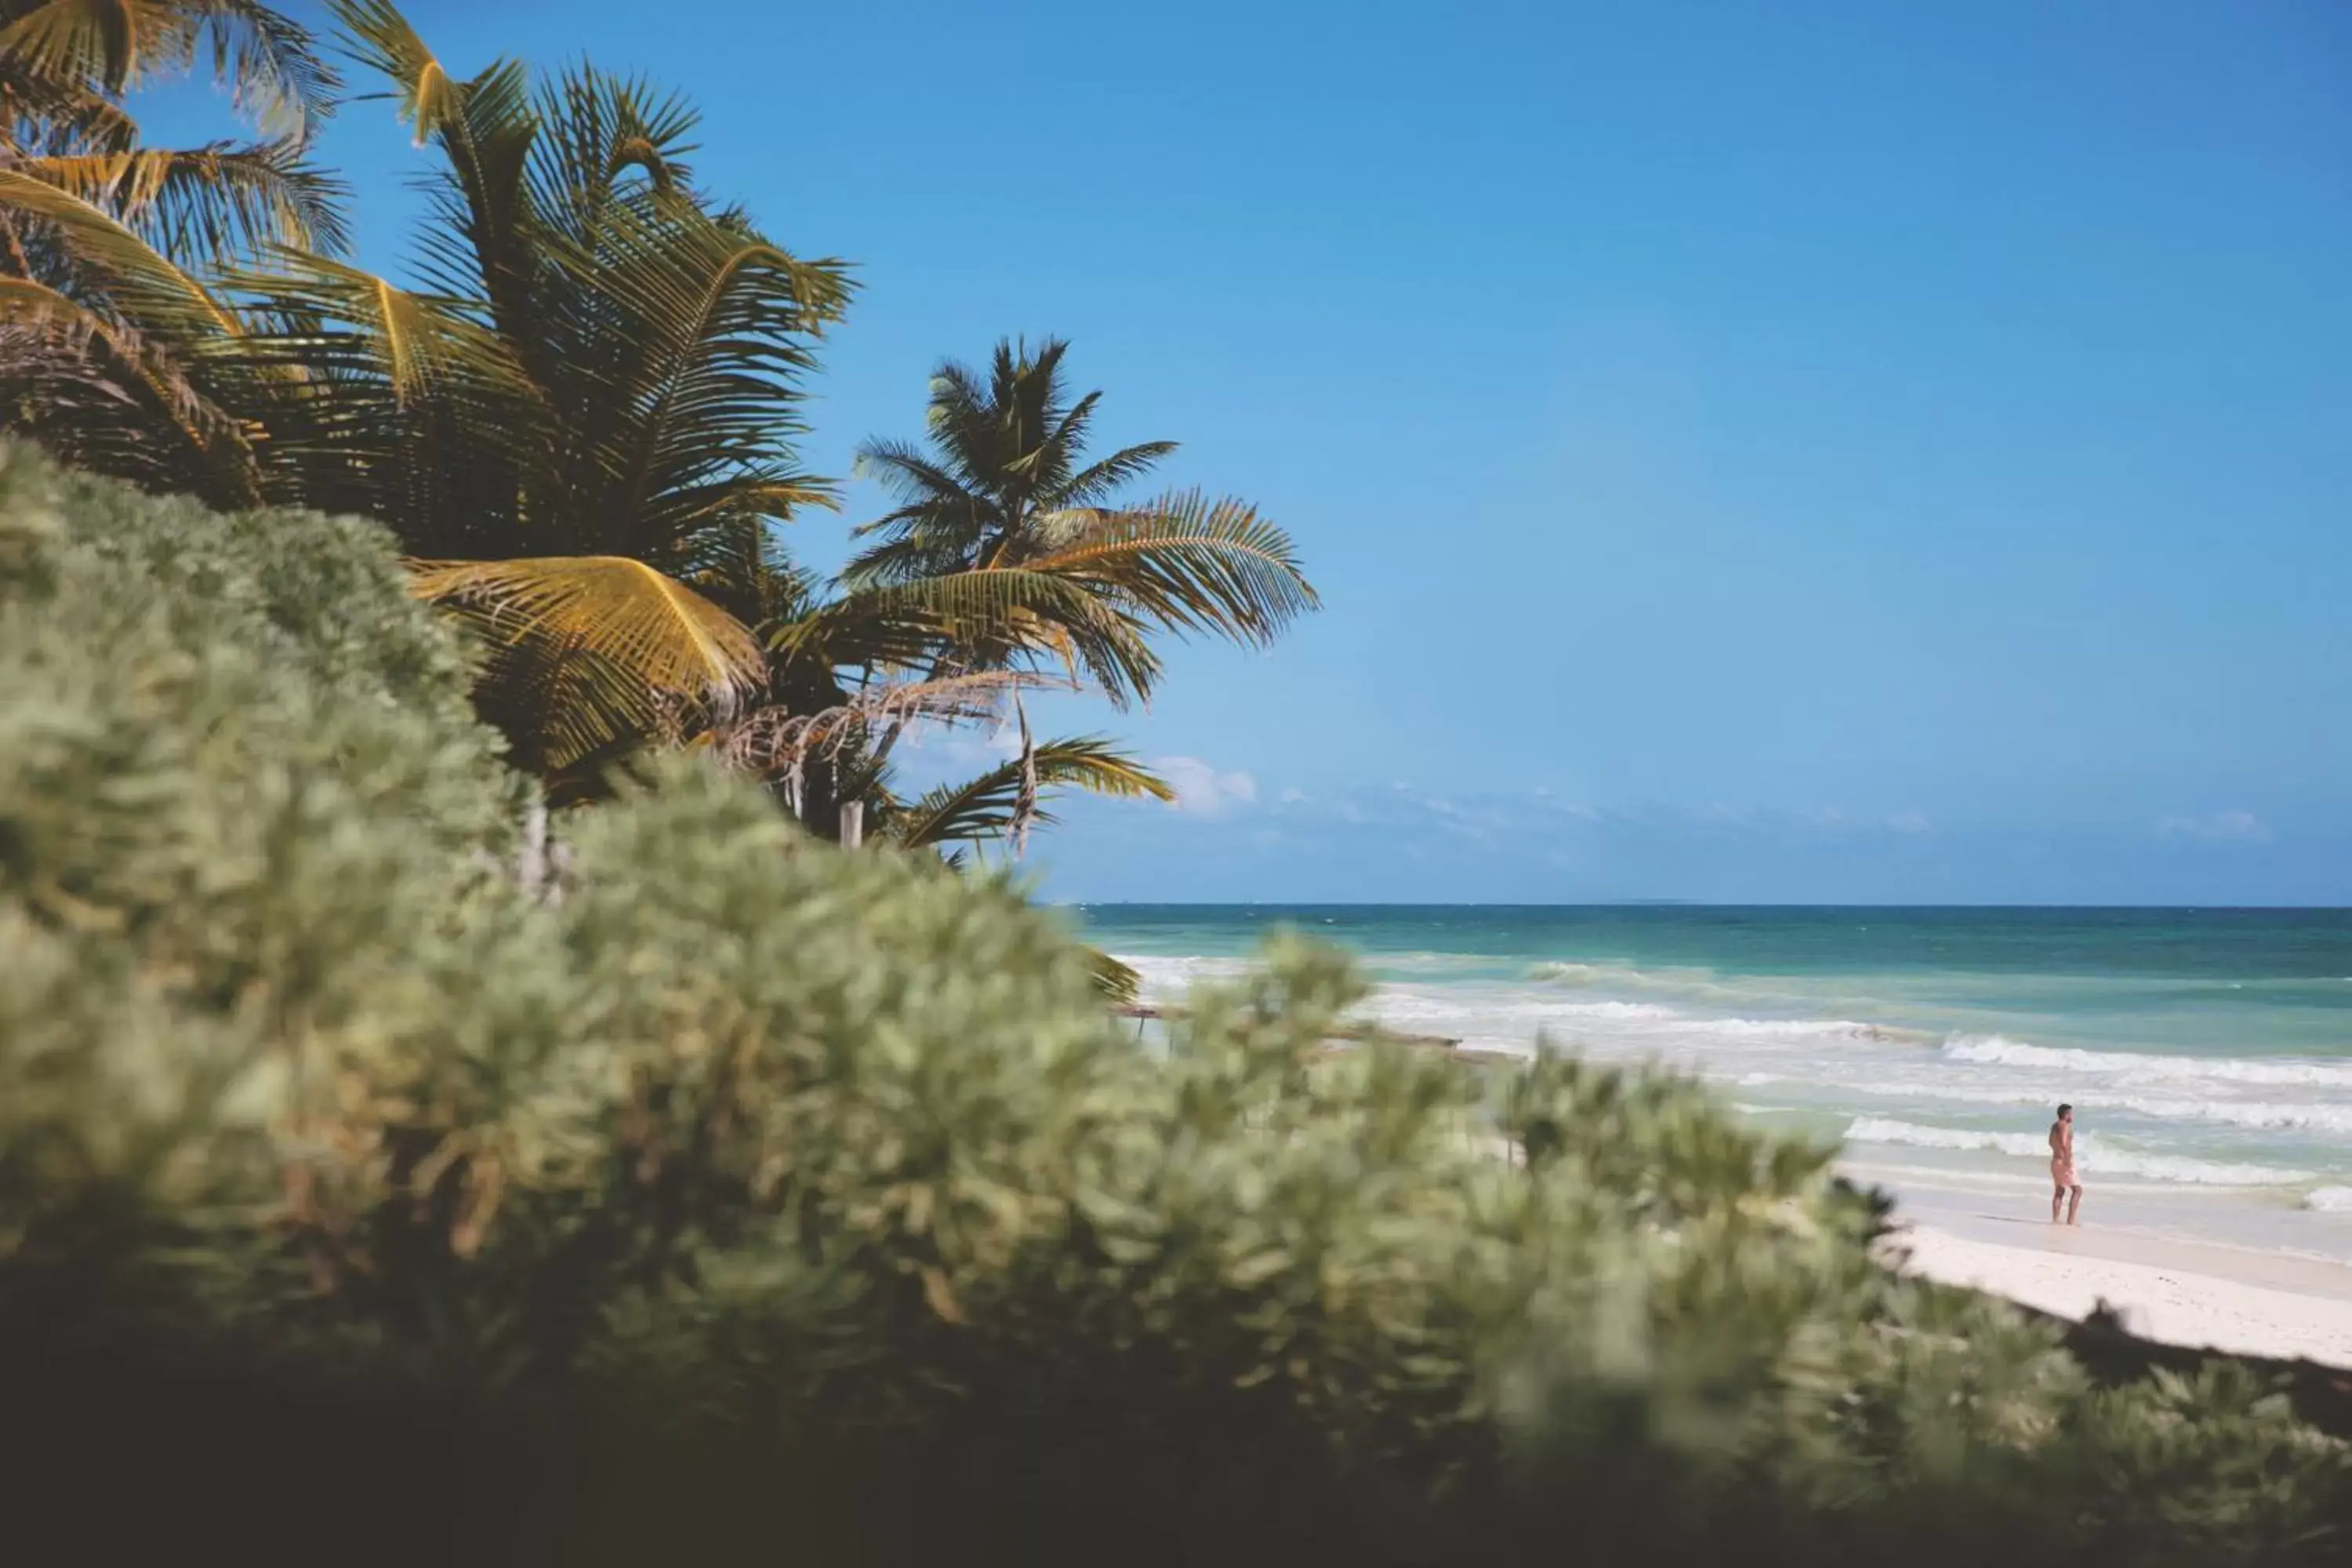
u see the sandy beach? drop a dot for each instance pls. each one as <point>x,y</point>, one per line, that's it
<point>2166,1288</point>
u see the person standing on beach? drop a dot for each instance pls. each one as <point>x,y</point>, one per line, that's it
<point>2061,1167</point>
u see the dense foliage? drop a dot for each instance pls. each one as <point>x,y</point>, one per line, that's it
<point>579,411</point>
<point>377,1182</point>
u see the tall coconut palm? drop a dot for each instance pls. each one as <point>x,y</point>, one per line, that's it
<point>586,403</point>
<point>1009,553</point>
<point>1019,547</point>
<point>582,413</point>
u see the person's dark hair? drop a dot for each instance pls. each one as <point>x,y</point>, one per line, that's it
<point>2064,1109</point>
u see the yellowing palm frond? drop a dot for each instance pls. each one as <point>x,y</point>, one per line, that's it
<point>59,112</point>
<point>137,282</point>
<point>98,394</point>
<point>267,59</point>
<point>212,202</point>
<point>1119,984</point>
<point>351,324</point>
<point>774,739</point>
<point>676,640</point>
<point>381,38</point>
<point>583,650</point>
<point>396,405</point>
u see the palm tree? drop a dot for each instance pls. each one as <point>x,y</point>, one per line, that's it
<point>840,679</point>
<point>1017,545</point>
<point>1006,565</point>
<point>586,414</point>
<point>581,422</point>
<point>585,408</point>
<point>109,342</point>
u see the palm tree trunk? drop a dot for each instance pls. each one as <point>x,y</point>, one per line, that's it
<point>820,797</point>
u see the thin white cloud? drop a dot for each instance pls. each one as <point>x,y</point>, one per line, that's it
<point>1906,822</point>
<point>969,748</point>
<point>1202,790</point>
<point>2221,828</point>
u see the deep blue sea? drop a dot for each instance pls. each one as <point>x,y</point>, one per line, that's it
<point>2209,1052</point>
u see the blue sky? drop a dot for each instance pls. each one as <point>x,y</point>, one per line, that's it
<point>1803,451</point>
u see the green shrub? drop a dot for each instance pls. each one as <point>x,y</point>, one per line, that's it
<point>363,1198</point>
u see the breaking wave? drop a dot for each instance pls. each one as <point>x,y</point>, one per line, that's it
<point>2092,1157</point>
<point>2000,1050</point>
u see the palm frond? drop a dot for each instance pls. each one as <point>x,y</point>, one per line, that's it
<point>212,201</point>
<point>1098,480</point>
<point>1006,614</point>
<point>137,282</point>
<point>49,113</point>
<point>352,324</point>
<point>1187,563</point>
<point>984,807</point>
<point>1120,985</point>
<point>485,126</point>
<point>268,61</point>
<point>377,36</point>
<point>605,140</point>
<point>103,398</point>
<point>908,473</point>
<point>921,552</point>
<point>585,649</point>
<point>774,739</point>
<point>399,405</point>
<point>705,337</point>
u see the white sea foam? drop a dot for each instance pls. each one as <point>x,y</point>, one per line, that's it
<point>1623,1011</point>
<point>1594,974</point>
<point>2000,1050</point>
<point>1164,978</point>
<point>1805,1029</point>
<point>2272,1116</point>
<point>2264,1115</point>
<point>2092,1157</point>
<point>1701,985</point>
<point>2232,1131</point>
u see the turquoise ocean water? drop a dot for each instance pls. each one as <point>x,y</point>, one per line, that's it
<point>2208,1053</point>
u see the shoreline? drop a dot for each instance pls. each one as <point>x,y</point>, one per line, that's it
<point>2168,1290</point>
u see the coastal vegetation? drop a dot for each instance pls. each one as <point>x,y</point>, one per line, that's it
<point>579,421</point>
<point>392,1172</point>
<point>678,1183</point>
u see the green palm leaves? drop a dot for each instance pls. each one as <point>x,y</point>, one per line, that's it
<point>1014,539</point>
<point>593,398</point>
<point>579,417</point>
<point>990,807</point>
<point>114,349</point>
<point>61,53</point>
<point>1011,553</point>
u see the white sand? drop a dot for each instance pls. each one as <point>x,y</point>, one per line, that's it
<point>2179,1293</point>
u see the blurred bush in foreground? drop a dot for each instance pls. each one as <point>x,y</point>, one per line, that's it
<point>370,1192</point>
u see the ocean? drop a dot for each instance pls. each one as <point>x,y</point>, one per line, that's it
<point>2208,1052</point>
